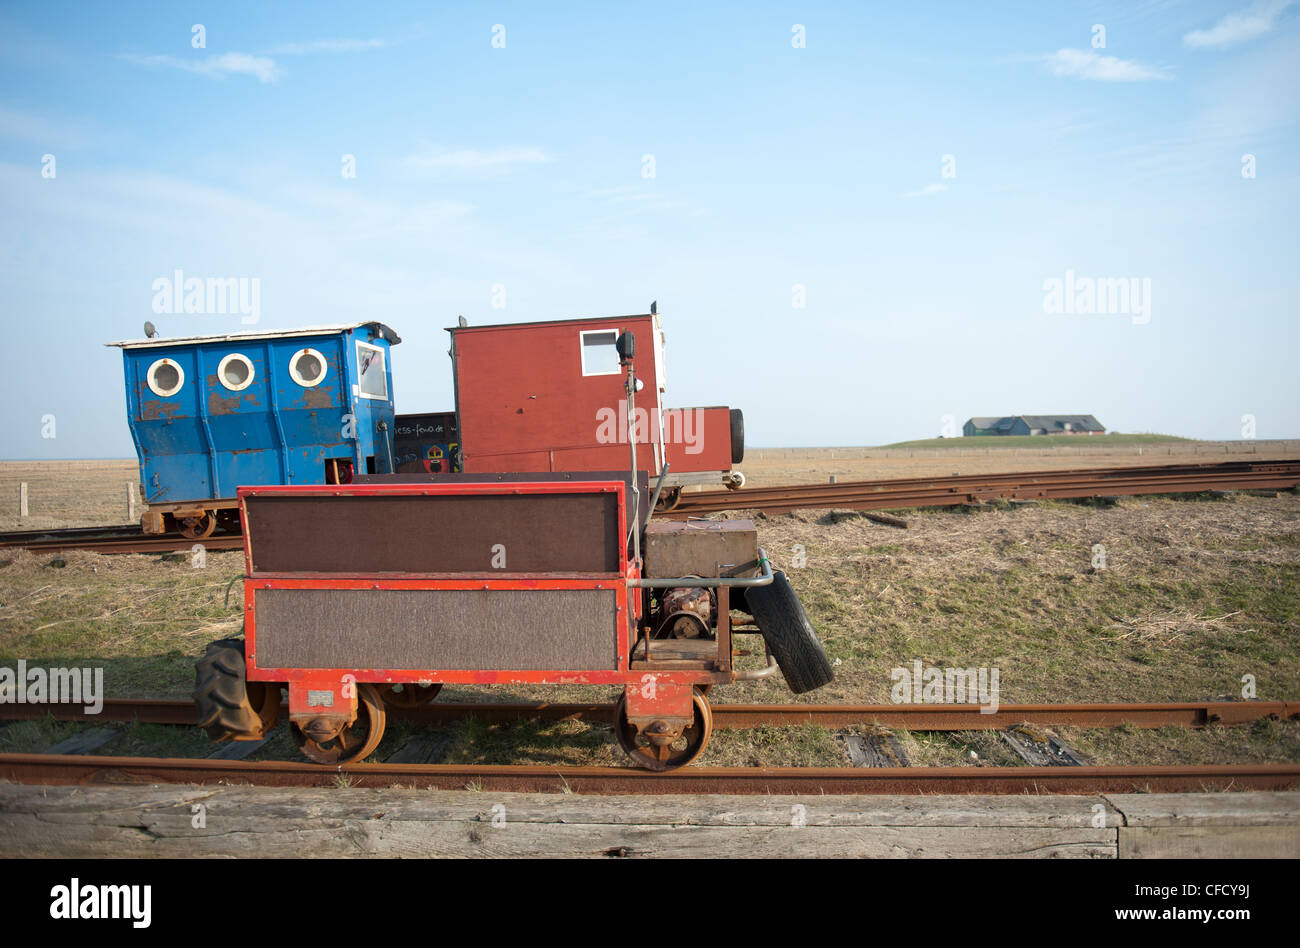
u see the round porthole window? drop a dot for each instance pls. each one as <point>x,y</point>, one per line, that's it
<point>165,378</point>
<point>307,367</point>
<point>236,372</point>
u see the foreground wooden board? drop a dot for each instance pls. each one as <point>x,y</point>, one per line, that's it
<point>1209,825</point>
<point>247,821</point>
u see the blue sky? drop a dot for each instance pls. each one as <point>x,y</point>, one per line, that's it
<point>921,171</point>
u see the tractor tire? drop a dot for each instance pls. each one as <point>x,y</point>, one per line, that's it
<point>789,635</point>
<point>737,436</point>
<point>229,707</point>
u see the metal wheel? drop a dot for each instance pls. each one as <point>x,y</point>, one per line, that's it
<point>352,743</point>
<point>198,528</point>
<point>669,499</point>
<point>647,753</point>
<point>406,697</point>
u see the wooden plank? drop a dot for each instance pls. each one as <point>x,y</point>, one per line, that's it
<point>1260,808</point>
<point>84,742</point>
<point>1041,747</point>
<point>1209,842</point>
<point>421,749</point>
<point>94,804</point>
<point>874,749</point>
<point>236,750</point>
<point>169,831</point>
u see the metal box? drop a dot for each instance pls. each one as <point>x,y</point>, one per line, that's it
<point>706,548</point>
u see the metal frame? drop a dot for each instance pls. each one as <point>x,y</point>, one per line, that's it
<point>627,597</point>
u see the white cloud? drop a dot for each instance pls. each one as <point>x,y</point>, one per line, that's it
<point>928,191</point>
<point>327,46</point>
<point>263,68</point>
<point>1089,64</point>
<point>1255,20</point>
<point>476,160</point>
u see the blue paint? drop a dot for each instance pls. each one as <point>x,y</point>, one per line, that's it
<point>206,439</point>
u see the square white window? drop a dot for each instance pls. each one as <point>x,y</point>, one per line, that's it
<point>600,352</point>
<point>372,381</point>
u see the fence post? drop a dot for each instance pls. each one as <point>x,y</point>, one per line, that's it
<point>22,499</point>
<point>130,502</point>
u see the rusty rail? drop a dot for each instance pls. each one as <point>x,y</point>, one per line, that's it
<point>57,769</point>
<point>914,717</point>
<point>901,493</point>
<point>113,540</point>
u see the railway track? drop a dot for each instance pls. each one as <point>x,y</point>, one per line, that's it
<point>898,493</point>
<point>913,717</point>
<point>902,493</point>
<point>56,769</point>
<point>123,539</point>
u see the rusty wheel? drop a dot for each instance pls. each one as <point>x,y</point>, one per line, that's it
<point>669,499</point>
<point>406,697</point>
<point>352,743</point>
<point>669,755</point>
<point>198,528</point>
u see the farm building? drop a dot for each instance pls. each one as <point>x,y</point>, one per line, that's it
<point>1033,425</point>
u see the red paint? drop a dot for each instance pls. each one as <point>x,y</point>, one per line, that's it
<point>525,405</point>
<point>668,689</point>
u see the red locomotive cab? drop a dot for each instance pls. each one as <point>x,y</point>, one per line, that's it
<point>538,397</point>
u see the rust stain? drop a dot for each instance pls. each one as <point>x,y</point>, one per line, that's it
<point>318,397</point>
<point>222,406</point>
<point>153,410</point>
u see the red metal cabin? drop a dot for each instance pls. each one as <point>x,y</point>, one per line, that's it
<point>545,397</point>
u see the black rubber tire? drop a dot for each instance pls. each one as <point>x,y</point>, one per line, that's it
<point>225,708</point>
<point>789,635</point>
<point>737,436</point>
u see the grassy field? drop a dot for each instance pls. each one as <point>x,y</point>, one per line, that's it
<point>1195,594</point>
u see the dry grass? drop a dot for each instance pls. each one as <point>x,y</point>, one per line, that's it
<point>1195,594</point>
<point>67,493</point>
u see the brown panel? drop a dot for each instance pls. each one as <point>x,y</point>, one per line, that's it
<point>701,548</point>
<point>505,477</point>
<point>542,629</point>
<point>571,533</point>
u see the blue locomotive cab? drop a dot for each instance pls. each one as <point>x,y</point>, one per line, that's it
<point>209,414</point>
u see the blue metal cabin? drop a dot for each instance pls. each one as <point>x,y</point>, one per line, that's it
<point>209,414</point>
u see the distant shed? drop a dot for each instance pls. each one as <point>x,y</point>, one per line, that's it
<point>1033,425</point>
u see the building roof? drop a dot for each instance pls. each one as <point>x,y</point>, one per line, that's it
<point>383,331</point>
<point>572,321</point>
<point>1046,422</point>
<point>1058,422</point>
